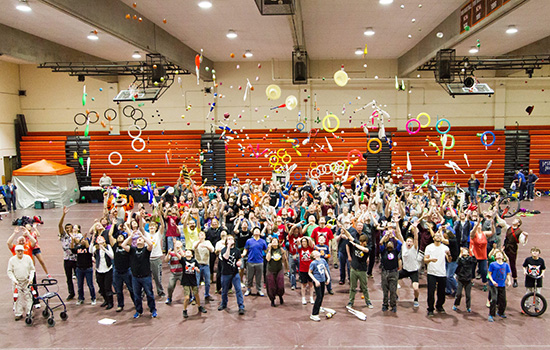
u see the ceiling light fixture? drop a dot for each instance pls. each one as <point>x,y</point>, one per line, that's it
<point>248,54</point>
<point>136,55</point>
<point>359,51</point>
<point>23,6</point>
<point>93,35</point>
<point>511,29</point>
<point>231,34</point>
<point>474,49</point>
<point>205,4</point>
<point>369,31</point>
<point>385,2</point>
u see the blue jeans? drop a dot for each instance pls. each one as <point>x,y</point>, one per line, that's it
<point>119,279</point>
<point>227,280</point>
<point>294,263</point>
<point>170,242</point>
<point>343,265</point>
<point>205,274</point>
<point>452,283</point>
<point>89,275</point>
<point>531,191</point>
<point>482,265</point>
<point>473,195</point>
<point>146,284</point>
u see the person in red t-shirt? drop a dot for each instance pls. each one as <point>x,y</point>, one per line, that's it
<point>304,251</point>
<point>322,230</point>
<point>26,240</point>
<point>172,232</point>
<point>294,235</point>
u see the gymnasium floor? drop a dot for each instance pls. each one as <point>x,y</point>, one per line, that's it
<point>264,327</point>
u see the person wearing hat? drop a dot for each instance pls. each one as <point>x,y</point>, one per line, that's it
<point>21,273</point>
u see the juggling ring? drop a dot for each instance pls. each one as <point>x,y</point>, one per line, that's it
<point>409,130</point>
<point>448,126</point>
<point>138,128</point>
<point>285,156</point>
<point>111,161</point>
<point>356,152</point>
<point>92,113</point>
<point>379,145</point>
<point>83,115</point>
<point>485,133</point>
<point>313,166</point>
<point>452,142</point>
<point>427,116</point>
<point>143,120</point>
<point>274,160</point>
<point>325,123</point>
<point>134,146</point>
<point>296,176</point>
<point>298,126</point>
<point>109,118</point>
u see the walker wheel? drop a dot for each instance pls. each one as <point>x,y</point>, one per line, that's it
<point>63,315</point>
<point>51,322</point>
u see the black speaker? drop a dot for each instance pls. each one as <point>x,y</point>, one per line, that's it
<point>299,67</point>
<point>157,72</point>
<point>445,70</point>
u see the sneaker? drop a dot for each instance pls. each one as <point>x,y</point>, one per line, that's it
<point>488,304</point>
<point>315,318</point>
<point>312,301</point>
<point>168,301</point>
<point>209,298</point>
<point>502,316</point>
<point>455,308</point>
<point>394,309</point>
<point>335,266</point>
<point>369,305</point>
<point>491,319</point>
<point>17,318</point>
<point>515,284</point>
<point>202,309</point>
<point>247,293</point>
<point>384,308</point>
<point>93,302</point>
<point>331,292</point>
<point>109,306</point>
<point>137,314</point>
<point>119,309</point>
<point>79,302</point>
<point>74,277</point>
<point>370,276</point>
<point>242,285</point>
<point>185,315</point>
<point>416,304</point>
<point>350,305</point>
<point>485,288</point>
<point>304,302</point>
<point>154,314</point>
<point>70,297</point>
<point>193,301</point>
<point>221,307</point>
<point>260,293</point>
<point>37,305</point>
<point>469,310</point>
<point>49,277</point>
<point>281,300</point>
<point>441,310</point>
<point>162,294</point>
<point>292,288</point>
<point>341,282</point>
<point>105,303</point>
<point>430,314</point>
<point>241,311</point>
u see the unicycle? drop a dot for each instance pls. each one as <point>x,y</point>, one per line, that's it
<point>533,304</point>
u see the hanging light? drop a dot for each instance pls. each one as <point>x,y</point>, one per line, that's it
<point>385,2</point>
<point>231,34</point>
<point>93,35</point>
<point>511,29</point>
<point>369,31</point>
<point>248,54</point>
<point>23,6</point>
<point>359,51</point>
<point>136,55</point>
<point>205,4</point>
<point>473,50</point>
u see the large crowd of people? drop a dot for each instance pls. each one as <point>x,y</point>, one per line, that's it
<point>246,238</point>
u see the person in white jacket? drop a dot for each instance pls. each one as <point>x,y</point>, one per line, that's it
<point>21,273</point>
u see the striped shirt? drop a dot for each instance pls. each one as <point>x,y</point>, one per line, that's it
<point>175,264</point>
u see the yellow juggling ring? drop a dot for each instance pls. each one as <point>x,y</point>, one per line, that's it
<point>427,116</point>
<point>325,122</point>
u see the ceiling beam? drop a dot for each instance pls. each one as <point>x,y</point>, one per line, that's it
<point>31,48</point>
<point>109,16</point>
<point>297,27</point>
<point>539,47</point>
<point>450,27</point>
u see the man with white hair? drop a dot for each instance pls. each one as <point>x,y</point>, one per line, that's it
<point>21,273</point>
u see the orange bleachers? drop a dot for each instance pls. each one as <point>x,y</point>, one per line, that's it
<point>466,142</point>
<point>184,147</point>
<point>540,149</point>
<point>37,147</point>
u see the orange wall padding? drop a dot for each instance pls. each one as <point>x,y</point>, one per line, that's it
<point>242,164</point>
<point>35,148</point>
<point>184,147</point>
<point>466,142</point>
<point>540,149</point>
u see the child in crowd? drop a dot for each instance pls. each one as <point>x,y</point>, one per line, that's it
<point>533,269</point>
<point>464,273</point>
<point>324,251</point>
<point>190,267</point>
<point>499,276</point>
<point>318,272</point>
<point>173,257</point>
